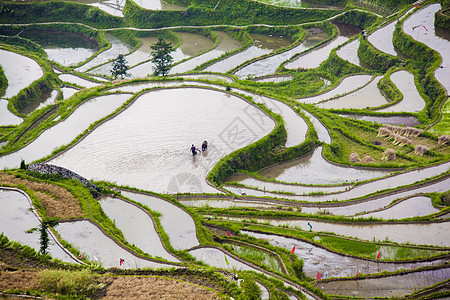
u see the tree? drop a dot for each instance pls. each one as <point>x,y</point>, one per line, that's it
<point>161,57</point>
<point>120,67</point>
<point>43,229</point>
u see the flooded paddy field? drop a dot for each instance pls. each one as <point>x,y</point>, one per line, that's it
<point>7,117</point>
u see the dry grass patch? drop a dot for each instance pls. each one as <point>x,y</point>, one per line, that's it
<point>15,280</point>
<point>57,201</point>
<point>126,287</point>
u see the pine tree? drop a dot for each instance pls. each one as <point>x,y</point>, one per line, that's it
<point>161,57</point>
<point>120,68</point>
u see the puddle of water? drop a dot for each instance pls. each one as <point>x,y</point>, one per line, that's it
<point>64,132</point>
<point>394,120</point>
<point>317,259</point>
<point>269,65</point>
<point>435,234</point>
<point>322,132</point>
<point>391,286</point>
<point>347,85</point>
<point>420,26</point>
<point>156,156</point>
<point>296,126</point>
<point>216,258</point>
<point>68,92</point>
<point>65,48</point>
<point>16,218</point>
<point>227,44</point>
<point>20,71</point>
<point>314,169</point>
<point>177,223</point>
<point>99,248</point>
<point>314,58</point>
<point>136,226</point>
<point>279,187</point>
<point>7,117</point>
<point>412,101</point>
<point>349,52</point>
<point>77,80</point>
<point>368,96</point>
<point>235,60</point>
<point>117,47</point>
<point>412,207</point>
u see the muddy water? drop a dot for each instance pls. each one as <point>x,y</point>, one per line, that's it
<point>65,131</point>
<point>99,248</point>
<point>270,186</point>
<point>425,32</point>
<point>16,218</point>
<point>412,207</point>
<point>136,226</point>
<point>193,44</point>
<point>314,58</point>
<point>349,52</point>
<point>132,59</point>
<point>412,101</point>
<point>269,65</point>
<point>361,190</point>
<point>7,117</point>
<point>217,258</point>
<point>212,77</point>
<point>147,145</point>
<point>317,259</point>
<point>314,169</point>
<point>322,131</point>
<point>65,48</point>
<point>435,234</point>
<point>227,44</point>
<point>77,80</point>
<point>177,223</point>
<point>395,120</point>
<point>347,85</point>
<point>20,71</point>
<point>46,99</point>
<point>368,96</point>
<point>391,286</point>
<point>117,47</point>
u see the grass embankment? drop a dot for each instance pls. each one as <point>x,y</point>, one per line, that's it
<point>3,82</point>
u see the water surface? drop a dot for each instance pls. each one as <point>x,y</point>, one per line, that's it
<point>6,116</point>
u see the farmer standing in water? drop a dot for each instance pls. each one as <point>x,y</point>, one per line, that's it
<point>193,150</point>
<point>204,145</point>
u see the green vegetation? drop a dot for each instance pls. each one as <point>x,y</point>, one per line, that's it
<point>161,57</point>
<point>67,282</point>
<point>120,68</point>
<point>3,82</point>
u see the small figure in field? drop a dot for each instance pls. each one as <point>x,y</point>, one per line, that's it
<point>204,145</point>
<point>193,150</point>
<point>364,34</point>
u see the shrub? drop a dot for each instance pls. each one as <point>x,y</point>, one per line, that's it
<point>66,282</point>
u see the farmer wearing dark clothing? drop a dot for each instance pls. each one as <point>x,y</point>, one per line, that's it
<point>193,150</point>
<point>204,145</point>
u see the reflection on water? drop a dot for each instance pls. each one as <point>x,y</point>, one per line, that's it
<point>99,248</point>
<point>368,96</point>
<point>412,207</point>
<point>394,120</point>
<point>391,286</point>
<point>347,85</point>
<point>315,57</point>
<point>412,101</point>
<point>382,39</point>
<point>147,145</point>
<point>16,218</point>
<point>218,258</point>
<point>420,26</point>
<point>20,71</point>
<point>136,226</point>
<point>317,259</point>
<point>349,52</point>
<point>65,131</point>
<point>314,169</point>
<point>47,98</point>
<point>176,222</point>
<point>77,80</point>
<point>235,60</point>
